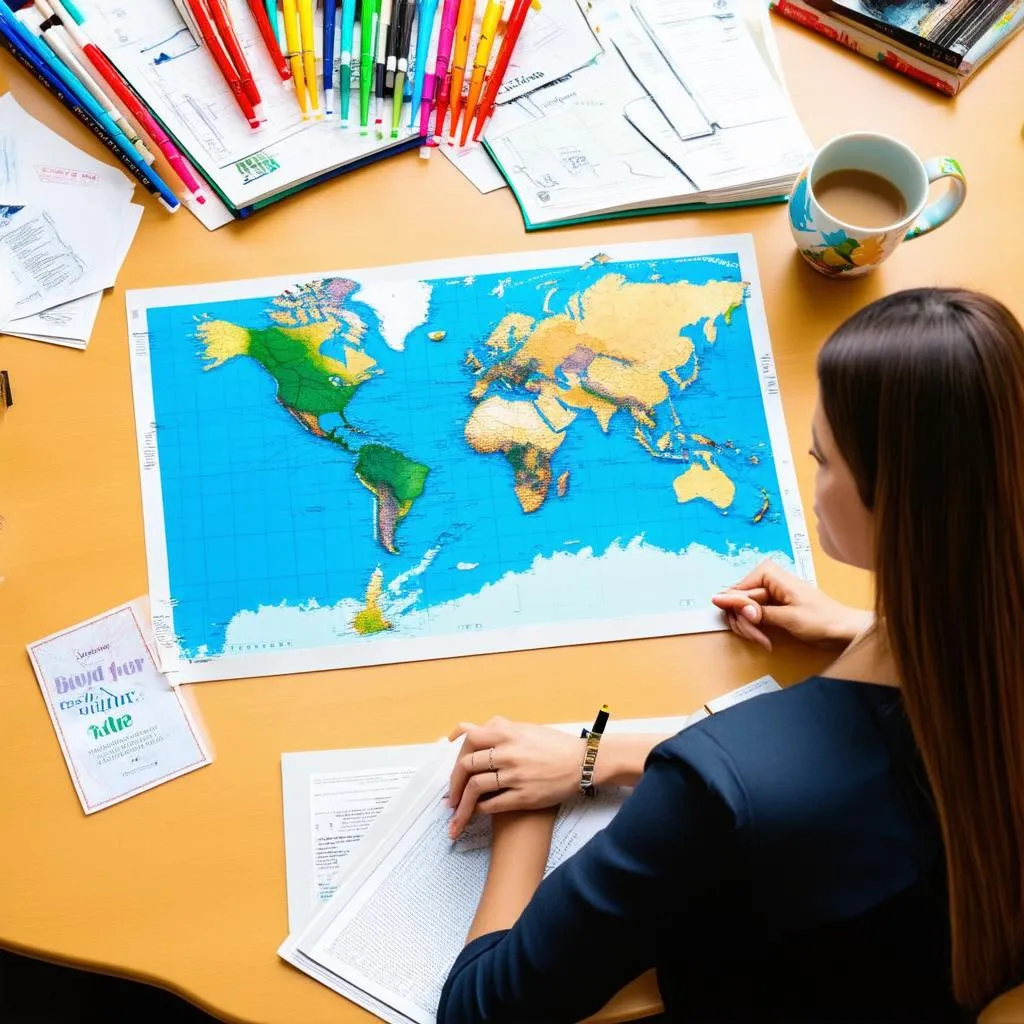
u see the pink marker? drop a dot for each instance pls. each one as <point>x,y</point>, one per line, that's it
<point>442,76</point>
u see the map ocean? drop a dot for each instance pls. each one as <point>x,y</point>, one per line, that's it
<point>259,513</point>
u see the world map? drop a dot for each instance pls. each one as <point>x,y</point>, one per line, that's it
<point>376,466</point>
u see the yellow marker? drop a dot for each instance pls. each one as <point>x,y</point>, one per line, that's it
<point>492,17</point>
<point>308,38</point>
<point>463,27</point>
<point>291,40</point>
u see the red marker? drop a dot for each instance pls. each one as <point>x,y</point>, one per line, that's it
<point>515,26</point>
<point>223,61</point>
<point>259,13</point>
<point>222,20</point>
<point>123,91</point>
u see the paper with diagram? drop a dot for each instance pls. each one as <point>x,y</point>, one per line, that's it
<point>475,455</point>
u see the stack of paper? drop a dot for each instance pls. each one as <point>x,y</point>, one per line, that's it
<point>66,224</point>
<point>684,105</point>
<point>402,900</point>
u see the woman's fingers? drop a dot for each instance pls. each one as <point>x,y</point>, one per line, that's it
<point>744,628</point>
<point>461,729</point>
<point>477,741</point>
<point>477,786</point>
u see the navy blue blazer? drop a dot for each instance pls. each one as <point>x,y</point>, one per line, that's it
<point>780,860</point>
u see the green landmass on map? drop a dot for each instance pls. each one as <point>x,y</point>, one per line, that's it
<point>311,384</point>
<point>613,348</point>
<point>395,481</point>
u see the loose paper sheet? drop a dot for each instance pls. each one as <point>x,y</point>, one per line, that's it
<point>121,726</point>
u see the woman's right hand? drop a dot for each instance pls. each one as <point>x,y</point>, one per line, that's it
<point>771,596</point>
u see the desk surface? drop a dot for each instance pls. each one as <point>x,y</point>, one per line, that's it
<point>185,886</point>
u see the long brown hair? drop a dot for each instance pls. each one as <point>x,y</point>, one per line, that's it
<point>924,392</point>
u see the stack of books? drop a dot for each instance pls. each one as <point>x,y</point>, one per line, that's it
<point>941,43</point>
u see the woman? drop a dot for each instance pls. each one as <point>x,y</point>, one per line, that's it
<point>851,848</point>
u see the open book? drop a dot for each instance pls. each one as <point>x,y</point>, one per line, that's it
<point>405,896</point>
<point>685,106</point>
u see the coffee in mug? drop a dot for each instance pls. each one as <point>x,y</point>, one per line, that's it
<point>861,195</point>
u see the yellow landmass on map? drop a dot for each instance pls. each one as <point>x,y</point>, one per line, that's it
<point>703,479</point>
<point>614,341</point>
<point>513,329</point>
<point>517,430</point>
<point>222,341</point>
<point>626,383</point>
<point>498,425</point>
<point>371,618</point>
<point>553,411</point>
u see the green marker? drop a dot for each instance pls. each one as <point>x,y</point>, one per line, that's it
<point>367,17</point>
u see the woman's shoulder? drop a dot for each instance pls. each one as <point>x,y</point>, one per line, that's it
<point>802,741</point>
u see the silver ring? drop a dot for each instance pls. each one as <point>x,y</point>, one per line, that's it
<point>490,760</point>
<point>497,778</point>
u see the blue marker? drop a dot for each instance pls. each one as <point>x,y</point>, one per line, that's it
<point>428,11</point>
<point>73,94</point>
<point>330,11</point>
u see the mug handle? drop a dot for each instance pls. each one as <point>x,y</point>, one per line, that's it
<point>936,214</point>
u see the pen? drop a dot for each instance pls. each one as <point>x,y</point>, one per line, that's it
<point>222,19</point>
<point>123,92</point>
<point>404,11</point>
<point>291,35</point>
<point>442,69</point>
<point>599,723</point>
<point>63,85</point>
<point>383,45</point>
<point>330,12</point>
<point>426,47</point>
<point>308,38</point>
<point>404,34</point>
<point>508,44</point>
<point>56,36</point>
<point>462,31</point>
<point>348,18</point>
<point>492,16</point>
<point>223,62</point>
<point>263,23</point>
<point>593,738</point>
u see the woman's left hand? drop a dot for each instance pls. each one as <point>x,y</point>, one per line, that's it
<point>524,766</point>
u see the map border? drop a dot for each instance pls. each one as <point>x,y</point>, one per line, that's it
<point>387,650</point>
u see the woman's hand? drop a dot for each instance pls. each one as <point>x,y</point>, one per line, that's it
<point>770,596</point>
<point>533,766</point>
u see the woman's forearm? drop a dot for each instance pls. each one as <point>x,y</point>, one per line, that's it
<point>620,758</point>
<point>519,853</point>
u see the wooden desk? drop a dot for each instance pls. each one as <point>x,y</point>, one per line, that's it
<point>185,886</point>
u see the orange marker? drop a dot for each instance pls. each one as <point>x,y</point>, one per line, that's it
<point>463,27</point>
<point>492,18</point>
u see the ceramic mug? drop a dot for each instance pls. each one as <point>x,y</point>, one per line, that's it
<point>838,249</point>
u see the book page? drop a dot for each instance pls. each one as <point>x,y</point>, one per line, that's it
<point>331,800</point>
<point>343,805</point>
